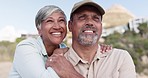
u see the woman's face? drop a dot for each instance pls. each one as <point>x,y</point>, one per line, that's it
<point>53,29</point>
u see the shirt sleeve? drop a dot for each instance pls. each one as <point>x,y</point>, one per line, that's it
<point>29,63</point>
<point>127,69</point>
<point>52,73</point>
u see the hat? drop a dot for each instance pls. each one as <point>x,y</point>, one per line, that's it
<point>87,2</point>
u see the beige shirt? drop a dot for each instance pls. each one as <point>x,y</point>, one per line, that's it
<point>114,64</point>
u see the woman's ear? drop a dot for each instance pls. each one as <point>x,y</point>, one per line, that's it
<point>69,25</point>
<point>39,31</point>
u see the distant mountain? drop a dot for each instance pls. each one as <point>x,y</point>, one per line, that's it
<point>116,15</point>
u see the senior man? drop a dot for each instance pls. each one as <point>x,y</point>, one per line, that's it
<point>84,54</point>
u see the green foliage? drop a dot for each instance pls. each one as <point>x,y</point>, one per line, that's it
<point>7,50</point>
<point>19,39</point>
<point>143,28</point>
<point>5,43</point>
<point>135,43</point>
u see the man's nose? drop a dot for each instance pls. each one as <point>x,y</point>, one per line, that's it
<point>89,21</point>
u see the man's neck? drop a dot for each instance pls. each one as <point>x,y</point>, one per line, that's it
<point>86,52</point>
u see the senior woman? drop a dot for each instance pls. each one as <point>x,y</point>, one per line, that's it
<point>31,54</point>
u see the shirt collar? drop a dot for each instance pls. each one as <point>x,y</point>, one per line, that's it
<point>73,55</point>
<point>43,50</point>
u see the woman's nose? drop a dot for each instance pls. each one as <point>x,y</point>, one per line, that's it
<point>56,25</point>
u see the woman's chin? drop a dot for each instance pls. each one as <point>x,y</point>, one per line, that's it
<point>57,42</point>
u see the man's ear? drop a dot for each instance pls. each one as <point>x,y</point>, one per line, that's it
<point>70,25</point>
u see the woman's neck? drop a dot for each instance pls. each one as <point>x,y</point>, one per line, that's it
<point>50,49</point>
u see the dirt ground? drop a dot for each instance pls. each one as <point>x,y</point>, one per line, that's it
<point>4,69</point>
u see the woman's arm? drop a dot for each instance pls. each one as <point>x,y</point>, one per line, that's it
<point>29,63</point>
<point>61,65</point>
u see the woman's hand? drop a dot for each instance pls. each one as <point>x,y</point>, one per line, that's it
<point>61,65</point>
<point>105,48</point>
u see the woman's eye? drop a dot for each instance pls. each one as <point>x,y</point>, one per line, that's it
<point>62,21</point>
<point>49,21</point>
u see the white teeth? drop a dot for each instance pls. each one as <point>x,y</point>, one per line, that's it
<point>88,31</point>
<point>57,33</point>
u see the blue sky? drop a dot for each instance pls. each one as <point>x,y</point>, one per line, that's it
<point>20,14</point>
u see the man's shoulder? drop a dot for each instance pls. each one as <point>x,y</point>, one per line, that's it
<point>119,52</point>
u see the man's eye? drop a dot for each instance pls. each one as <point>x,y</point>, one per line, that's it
<point>98,19</point>
<point>81,17</point>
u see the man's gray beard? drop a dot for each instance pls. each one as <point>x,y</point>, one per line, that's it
<point>87,39</point>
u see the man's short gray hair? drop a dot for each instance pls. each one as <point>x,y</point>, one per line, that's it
<point>44,12</point>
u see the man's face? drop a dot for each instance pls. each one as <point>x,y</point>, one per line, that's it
<point>86,26</point>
